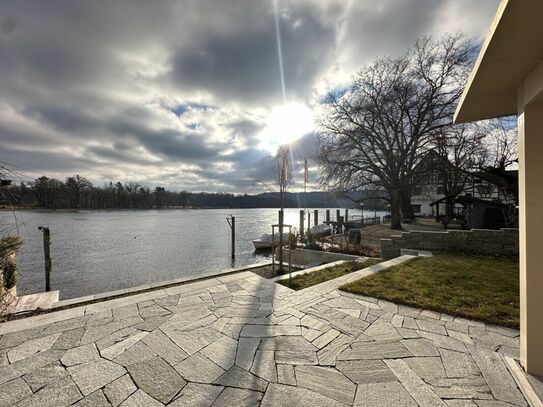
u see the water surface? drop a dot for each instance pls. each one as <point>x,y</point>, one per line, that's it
<point>98,251</point>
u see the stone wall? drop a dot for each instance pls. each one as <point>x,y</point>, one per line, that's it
<point>305,256</point>
<point>504,242</point>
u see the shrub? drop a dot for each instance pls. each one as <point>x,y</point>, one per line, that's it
<point>314,246</point>
<point>10,273</point>
<point>8,245</point>
<point>355,249</point>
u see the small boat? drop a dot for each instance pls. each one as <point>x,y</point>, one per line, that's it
<point>265,241</point>
<point>320,230</point>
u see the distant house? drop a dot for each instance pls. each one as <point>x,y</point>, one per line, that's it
<point>482,199</point>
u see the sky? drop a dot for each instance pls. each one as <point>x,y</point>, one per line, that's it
<point>188,94</point>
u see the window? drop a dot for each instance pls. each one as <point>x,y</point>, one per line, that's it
<point>416,208</point>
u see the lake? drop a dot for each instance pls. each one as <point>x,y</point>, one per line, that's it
<point>98,251</point>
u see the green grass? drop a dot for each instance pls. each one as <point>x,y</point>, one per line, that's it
<point>316,277</point>
<point>481,288</point>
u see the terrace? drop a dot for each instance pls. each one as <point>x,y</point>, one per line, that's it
<point>239,339</point>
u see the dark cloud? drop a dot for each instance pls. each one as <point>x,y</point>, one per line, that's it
<point>242,64</point>
<point>48,162</point>
<point>246,130</point>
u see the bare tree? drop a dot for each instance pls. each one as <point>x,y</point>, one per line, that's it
<point>376,132</point>
<point>283,172</point>
<point>76,186</point>
<point>283,177</point>
<point>132,189</point>
<point>502,143</point>
<point>502,157</point>
<point>46,190</point>
<point>459,149</point>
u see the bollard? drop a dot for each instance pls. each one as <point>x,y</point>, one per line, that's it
<point>47,254</point>
<point>233,237</point>
<point>302,218</point>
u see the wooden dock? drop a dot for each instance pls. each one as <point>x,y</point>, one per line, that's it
<point>36,301</point>
<point>344,226</point>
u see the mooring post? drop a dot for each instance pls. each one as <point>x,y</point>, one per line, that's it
<point>316,217</point>
<point>302,218</point>
<point>327,215</point>
<point>233,237</point>
<point>289,256</point>
<point>280,241</point>
<point>47,254</point>
<point>232,223</point>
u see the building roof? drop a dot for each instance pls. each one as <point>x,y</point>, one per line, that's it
<point>510,52</point>
<point>497,177</point>
<point>470,200</point>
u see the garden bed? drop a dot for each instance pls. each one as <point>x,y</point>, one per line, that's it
<point>316,277</point>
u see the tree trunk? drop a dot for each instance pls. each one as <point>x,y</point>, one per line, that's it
<point>405,205</point>
<point>450,208</point>
<point>395,218</point>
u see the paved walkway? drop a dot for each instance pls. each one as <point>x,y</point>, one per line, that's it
<point>242,340</point>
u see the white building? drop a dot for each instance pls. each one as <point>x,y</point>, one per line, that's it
<point>429,195</point>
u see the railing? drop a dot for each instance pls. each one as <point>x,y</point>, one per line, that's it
<point>372,221</point>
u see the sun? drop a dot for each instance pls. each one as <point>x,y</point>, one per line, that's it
<point>285,124</point>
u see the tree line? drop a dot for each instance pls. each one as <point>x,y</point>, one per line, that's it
<point>77,192</point>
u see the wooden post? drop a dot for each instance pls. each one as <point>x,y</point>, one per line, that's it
<point>316,217</point>
<point>47,254</point>
<point>273,250</point>
<point>302,218</point>
<point>289,255</point>
<point>280,241</point>
<point>327,215</point>
<point>233,238</point>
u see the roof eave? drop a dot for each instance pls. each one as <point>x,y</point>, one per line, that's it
<point>465,109</point>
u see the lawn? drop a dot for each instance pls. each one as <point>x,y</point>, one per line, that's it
<point>481,288</point>
<point>316,277</point>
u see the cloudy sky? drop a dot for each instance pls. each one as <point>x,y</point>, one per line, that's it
<point>188,93</point>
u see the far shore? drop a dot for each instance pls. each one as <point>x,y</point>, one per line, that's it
<point>26,209</point>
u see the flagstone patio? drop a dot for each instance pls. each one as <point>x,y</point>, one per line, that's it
<point>240,339</point>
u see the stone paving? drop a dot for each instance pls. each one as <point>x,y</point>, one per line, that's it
<point>241,340</point>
